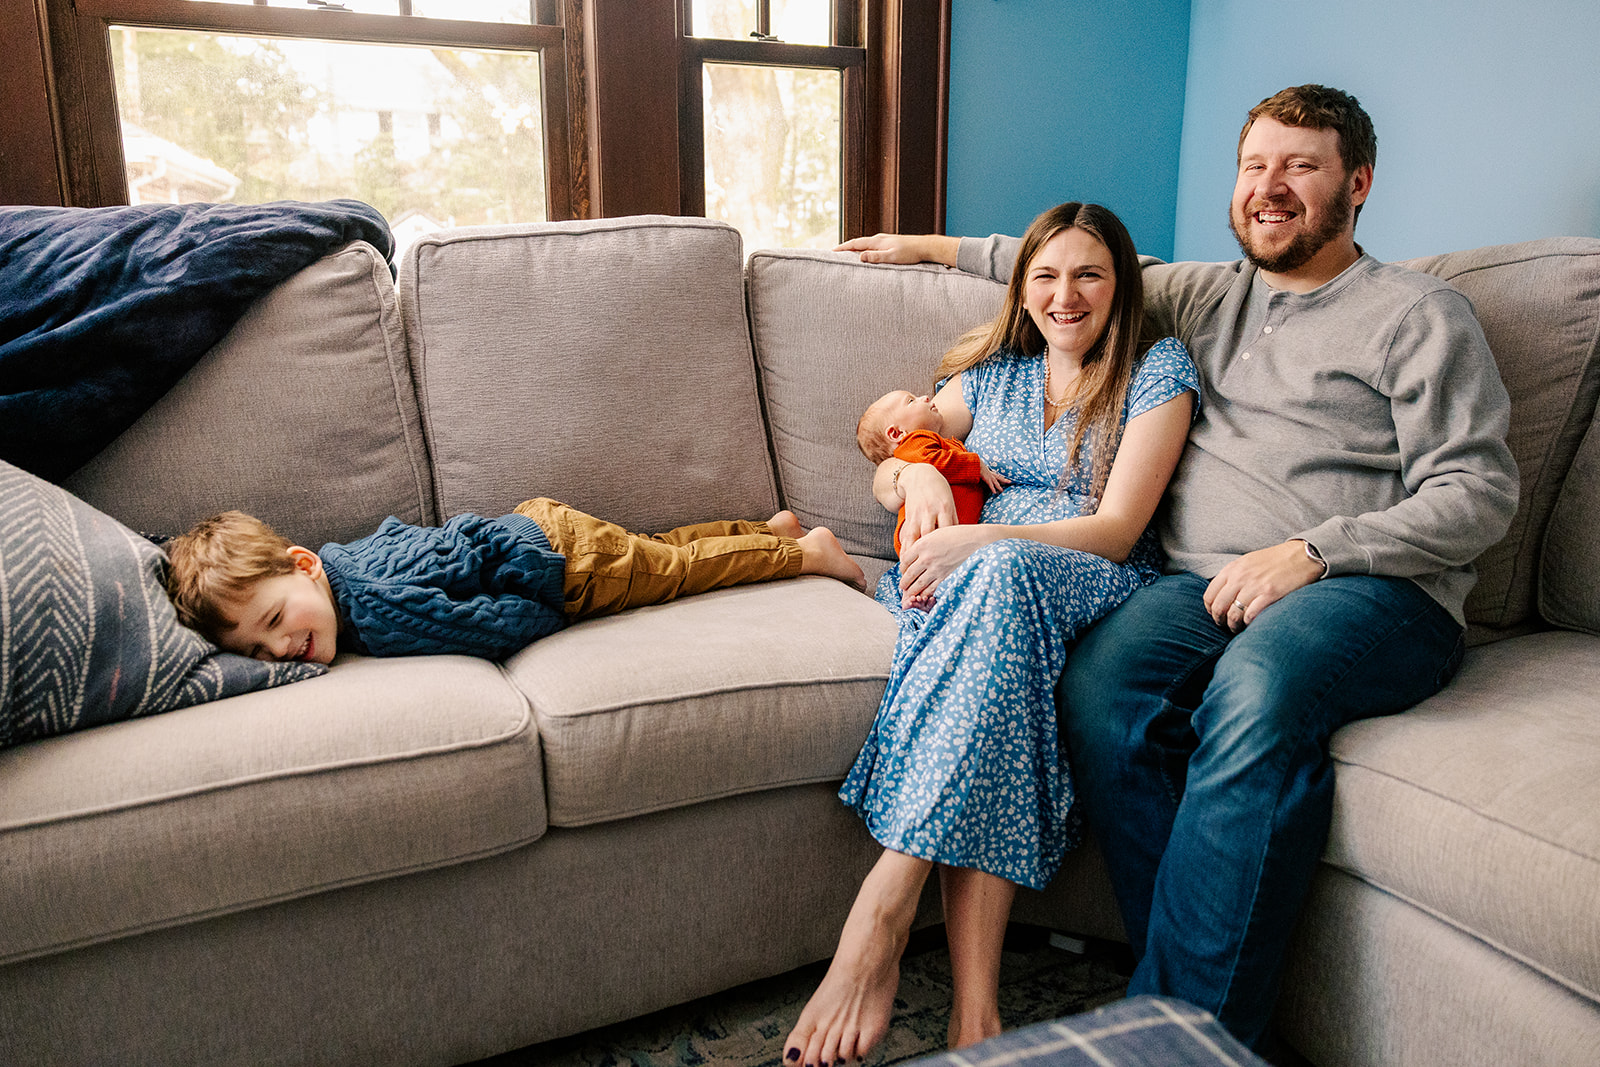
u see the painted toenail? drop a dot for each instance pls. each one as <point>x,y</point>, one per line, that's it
<point>792,1055</point>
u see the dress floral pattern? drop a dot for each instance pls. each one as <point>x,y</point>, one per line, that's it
<point>962,764</point>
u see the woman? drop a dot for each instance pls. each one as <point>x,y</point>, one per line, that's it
<point>961,769</point>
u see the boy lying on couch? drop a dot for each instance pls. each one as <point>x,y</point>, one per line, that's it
<point>474,586</point>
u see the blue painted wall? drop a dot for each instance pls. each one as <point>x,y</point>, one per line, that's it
<point>1487,112</point>
<point>1054,100</point>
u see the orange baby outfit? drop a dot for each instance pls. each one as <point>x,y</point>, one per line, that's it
<point>951,459</point>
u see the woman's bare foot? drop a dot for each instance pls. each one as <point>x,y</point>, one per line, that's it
<point>849,1013</point>
<point>983,1026</point>
<point>821,553</point>
<point>786,524</point>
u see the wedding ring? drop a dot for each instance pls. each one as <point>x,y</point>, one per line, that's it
<point>1240,606</point>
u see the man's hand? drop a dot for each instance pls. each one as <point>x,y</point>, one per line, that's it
<point>927,562</point>
<point>904,248</point>
<point>1247,586</point>
<point>991,481</point>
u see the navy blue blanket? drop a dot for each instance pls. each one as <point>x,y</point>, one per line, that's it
<point>102,310</point>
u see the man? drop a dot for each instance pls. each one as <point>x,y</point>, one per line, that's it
<point>1347,464</point>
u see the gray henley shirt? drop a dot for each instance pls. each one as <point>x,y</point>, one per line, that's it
<point>1365,417</point>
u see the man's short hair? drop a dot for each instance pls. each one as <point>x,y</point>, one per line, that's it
<point>1321,108</point>
<point>217,561</point>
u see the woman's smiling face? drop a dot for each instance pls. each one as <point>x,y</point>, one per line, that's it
<point>1069,290</point>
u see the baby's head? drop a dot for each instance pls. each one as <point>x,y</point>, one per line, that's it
<point>890,417</point>
<point>249,590</point>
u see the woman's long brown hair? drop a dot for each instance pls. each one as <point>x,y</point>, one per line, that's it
<point>1102,384</point>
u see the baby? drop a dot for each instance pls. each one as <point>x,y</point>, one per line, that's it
<point>475,586</point>
<point>910,428</point>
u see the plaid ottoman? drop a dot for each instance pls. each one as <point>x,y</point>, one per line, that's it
<point>1138,1032</point>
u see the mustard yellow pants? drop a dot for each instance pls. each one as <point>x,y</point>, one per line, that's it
<point>610,570</point>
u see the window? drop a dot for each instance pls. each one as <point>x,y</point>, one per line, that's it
<point>801,121</point>
<point>768,135</point>
<point>434,121</point>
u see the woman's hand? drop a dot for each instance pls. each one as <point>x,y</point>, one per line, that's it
<point>929,502</point>
<point>930,559</point>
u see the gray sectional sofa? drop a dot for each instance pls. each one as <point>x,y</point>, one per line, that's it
<point>430,860</point>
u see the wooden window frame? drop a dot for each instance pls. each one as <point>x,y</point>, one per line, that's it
<point>614,98</point>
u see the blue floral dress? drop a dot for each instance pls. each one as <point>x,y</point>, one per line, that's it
<point>962,764</point>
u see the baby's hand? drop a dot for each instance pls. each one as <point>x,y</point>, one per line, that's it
<point>992,481</point>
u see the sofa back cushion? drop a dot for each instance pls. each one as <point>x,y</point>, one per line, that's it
<point>304,415</point>
<point>1569,574</point>
<point>604,363</point>
<point>1539,303</point>
<point>832,334</point>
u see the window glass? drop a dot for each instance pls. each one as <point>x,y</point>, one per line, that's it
<point>772,153</point>
<point>429,136</point>
<point>518,11</point>
<point>793,21</point>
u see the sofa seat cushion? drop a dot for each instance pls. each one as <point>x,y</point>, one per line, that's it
<point>1478,806</point>
<point>377,768</point>
<point>740,690</point>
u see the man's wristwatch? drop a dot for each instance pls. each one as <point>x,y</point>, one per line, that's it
<point>1314,556</point>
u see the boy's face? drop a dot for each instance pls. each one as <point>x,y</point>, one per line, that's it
<point>286,617</point>
<point>904,411</point>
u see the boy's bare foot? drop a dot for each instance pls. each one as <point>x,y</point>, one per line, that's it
<point>849,1013</point>
<point>786,524</point>
<point>821,553</point>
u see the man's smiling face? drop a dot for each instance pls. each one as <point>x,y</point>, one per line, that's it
<point>1293,199</point>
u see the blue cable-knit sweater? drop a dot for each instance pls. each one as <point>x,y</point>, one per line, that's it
<point>476,586</point>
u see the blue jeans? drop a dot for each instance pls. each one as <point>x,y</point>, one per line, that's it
<point>1202,760</point>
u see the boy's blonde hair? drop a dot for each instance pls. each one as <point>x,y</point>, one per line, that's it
<point>869,431</point>
<point>218,561</point>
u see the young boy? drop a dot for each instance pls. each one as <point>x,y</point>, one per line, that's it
<point>475,586</point>
<point>910,428</point>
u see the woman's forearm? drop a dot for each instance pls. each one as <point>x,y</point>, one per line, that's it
<point>1108,536</point>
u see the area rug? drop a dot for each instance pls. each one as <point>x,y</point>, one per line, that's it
<point>746,1026</point>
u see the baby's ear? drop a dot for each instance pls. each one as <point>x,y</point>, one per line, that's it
<point>894,433</point>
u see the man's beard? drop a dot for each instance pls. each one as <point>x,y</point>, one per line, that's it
<point>1306,245</point>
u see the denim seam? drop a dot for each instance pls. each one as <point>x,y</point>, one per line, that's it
<point>1212,654</point>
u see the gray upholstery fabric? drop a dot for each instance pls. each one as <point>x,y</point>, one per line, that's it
<point>583,928</point>
<point>1569,574</point>
<point>832,334</point>
<point>304,416</point>
<point>378,768</point>
<point>602,363</point>
<point>1375,982</point>
<point>735,691</point>
<point>1539,303</point>
<point>1478,805</point>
